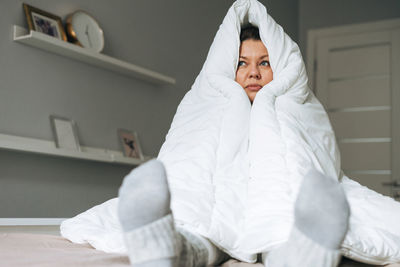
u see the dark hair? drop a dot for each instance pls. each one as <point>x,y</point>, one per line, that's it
<point>249,32</point>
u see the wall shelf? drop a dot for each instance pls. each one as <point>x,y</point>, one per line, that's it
<point>54,45</point>
<point>44,147</point>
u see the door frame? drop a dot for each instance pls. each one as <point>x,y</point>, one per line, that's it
<point>315,35</point>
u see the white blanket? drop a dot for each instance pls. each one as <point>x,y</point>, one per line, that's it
<point>234,169</point>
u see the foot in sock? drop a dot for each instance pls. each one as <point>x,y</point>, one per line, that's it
<point>321,222</point>
<point>144,198</point>
<point>322,211</point>
<point>149,231</point>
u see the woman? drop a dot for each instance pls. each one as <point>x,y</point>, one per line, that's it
<point>250,177</point>
<point>145,214</point>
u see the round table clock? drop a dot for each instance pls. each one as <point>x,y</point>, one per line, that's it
<point>84,30</point>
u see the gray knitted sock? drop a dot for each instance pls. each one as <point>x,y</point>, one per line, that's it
<point>321,222</point>
<point>322,211</point>
<point>144,198</point>
<point>145,216</point>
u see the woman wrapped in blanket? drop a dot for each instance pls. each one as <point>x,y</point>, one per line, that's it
<point>170,219</point>
<point>145,202</point>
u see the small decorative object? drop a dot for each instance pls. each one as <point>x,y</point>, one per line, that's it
<point>42,21</point>
<point>130,144</point>
<point>84,30</point>
<point>65,133</point>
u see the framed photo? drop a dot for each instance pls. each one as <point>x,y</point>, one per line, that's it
<point>42,21</point>
<point>130,144</point>
<point>65,133</point>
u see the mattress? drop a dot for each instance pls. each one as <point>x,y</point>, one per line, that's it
<point>22,250</point>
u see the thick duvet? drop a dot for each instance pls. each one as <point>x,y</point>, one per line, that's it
<point>234,169</point>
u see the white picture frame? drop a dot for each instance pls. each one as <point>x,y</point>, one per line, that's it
<point>65,133</point>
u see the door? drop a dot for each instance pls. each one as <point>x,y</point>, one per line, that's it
<point>357,80</point>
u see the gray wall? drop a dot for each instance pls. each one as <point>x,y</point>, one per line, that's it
<point>170,37</point>
<point>315,14</point>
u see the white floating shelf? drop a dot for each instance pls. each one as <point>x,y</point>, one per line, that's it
<point>24,144</point>
<point>54,45</point>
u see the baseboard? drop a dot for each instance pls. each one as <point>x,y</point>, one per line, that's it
<point>49,226</point>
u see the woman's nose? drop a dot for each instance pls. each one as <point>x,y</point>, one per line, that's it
<point>254,72</point>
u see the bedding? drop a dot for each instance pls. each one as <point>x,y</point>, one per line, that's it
<point>234,169</point>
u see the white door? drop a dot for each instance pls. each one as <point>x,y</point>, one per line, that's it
<point>357,79</point>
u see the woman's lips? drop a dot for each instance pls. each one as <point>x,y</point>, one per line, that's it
<point>253,87</point>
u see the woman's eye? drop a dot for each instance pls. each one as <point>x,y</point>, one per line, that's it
<point>264,63</point>
<point>241,63</point>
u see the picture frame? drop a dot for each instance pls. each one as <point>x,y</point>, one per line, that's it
<point>65,133</point>
<point>130,144</point>
<point>44,22</point>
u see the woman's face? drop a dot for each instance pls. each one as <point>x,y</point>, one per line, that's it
<point>253,70</point>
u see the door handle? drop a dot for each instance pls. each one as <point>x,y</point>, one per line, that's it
<point>393,184</point>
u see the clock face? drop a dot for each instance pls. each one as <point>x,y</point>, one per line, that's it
<point>87,31</point>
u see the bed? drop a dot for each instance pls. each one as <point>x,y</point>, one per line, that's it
<point>22,249</point>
